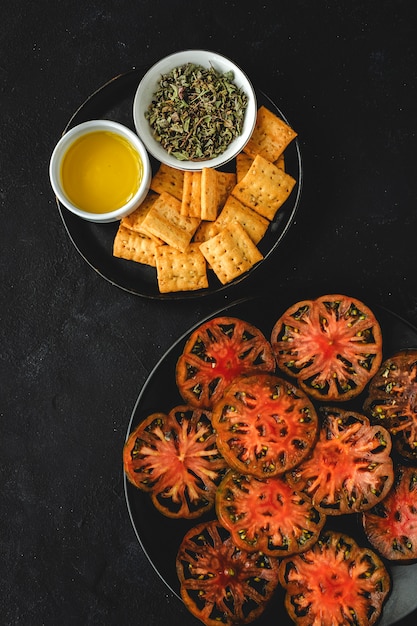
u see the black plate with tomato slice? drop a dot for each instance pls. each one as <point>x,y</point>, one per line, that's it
<point>94,242</point>
<point>160,536</point>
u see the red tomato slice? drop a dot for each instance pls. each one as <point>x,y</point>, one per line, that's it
<point>264,424</point>
<point>335,583</point>
<point>391,525</point>
<point>331,345</point>
<point>267,515</point>
<point>217,352</point>
<point>392,401</point>
<point>220,583</point>
<point>175,458</point>
<point>350,468</point>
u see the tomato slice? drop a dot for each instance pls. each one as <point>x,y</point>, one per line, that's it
<point>175,458</point>
<point>350,468</point>
<point>391,525</point>
<point>332,345</point>
<point>264,424</point>
<point>392,400</point>
<point>336,582</point>
<point>219,582</point>
<point>267,515</point>
<point>217,352</point>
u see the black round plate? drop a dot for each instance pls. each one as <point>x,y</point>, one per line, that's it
<point>160,537</point>
<point>94,242</point>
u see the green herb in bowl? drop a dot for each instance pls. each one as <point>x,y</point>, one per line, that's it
<point>196,112</point>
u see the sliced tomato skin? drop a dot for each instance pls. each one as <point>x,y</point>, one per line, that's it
<point>391,526</point>
<point>175,458</point>
<point>264,424</point>
<point>215,353</point>
<point>332,345</point>
<point>267,515</point>
<point>350,468</point>
<point>336,582</point>
<point>220,583</point>
<point>392,401</point>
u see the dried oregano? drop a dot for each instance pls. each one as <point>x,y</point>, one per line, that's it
<point>196,112</point>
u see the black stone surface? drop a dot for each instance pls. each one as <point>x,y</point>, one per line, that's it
<point>75,350</point>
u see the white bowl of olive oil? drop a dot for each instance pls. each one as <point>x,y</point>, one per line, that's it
<point>100,171</point>
<point>195,109</point>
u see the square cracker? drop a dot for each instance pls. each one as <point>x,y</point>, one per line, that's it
<point>264,188</point>
<point>234,211</point>
<point>181,271</point>
<point>164,220</point>
<point>210,194</point>
<point>191,194</point>
<point>206,230</point>
<point>243,163</point>
<point>231,253</point>
<point>270,136</point>
<point>133,246</point>
<point>134,220</point>
<point>226,181</point>
<point>168,179</point>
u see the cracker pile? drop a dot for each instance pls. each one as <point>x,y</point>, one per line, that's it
<point>195,222</point>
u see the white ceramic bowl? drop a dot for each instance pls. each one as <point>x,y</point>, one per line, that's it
<point>149,85</point>
<point>63,146</point>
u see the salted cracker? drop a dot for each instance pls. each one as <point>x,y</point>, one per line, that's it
<point>191,194</point>
<point>164,220</point>
<point>235,211</point>
<point>134,221</point>
<point>230,253</point>
<point>243,163</point>
<point>168,179</point>
<point>270,136</point>
<point>225,181</point>
<point>264,188</point>
<point>210,194</point>
<point>181,271</point>
<point>133,246</point>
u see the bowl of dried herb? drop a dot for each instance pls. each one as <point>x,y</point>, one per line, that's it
<point>194,109</point>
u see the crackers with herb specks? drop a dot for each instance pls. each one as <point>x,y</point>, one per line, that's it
<point>270,136</point>
<point>264,188</point>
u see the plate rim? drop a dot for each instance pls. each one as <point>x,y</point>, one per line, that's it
<point>66,218</point>
<point>182,338</point>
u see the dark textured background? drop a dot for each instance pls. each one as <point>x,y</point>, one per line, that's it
<point>75,350</point>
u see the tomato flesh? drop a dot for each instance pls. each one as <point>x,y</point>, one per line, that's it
<point>220,583</point>
<point>175,458</point>
<point>391,526</point>
<point>216,353</point>
<point>336,582</point>
<point>392,400</point>
<point>264,424</point>
<point>267,515</point>
<point>332,345</point>
<point>350,468</point>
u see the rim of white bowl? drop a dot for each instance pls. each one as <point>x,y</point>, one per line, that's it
<point>61,148</point>
<point>148,85</point>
